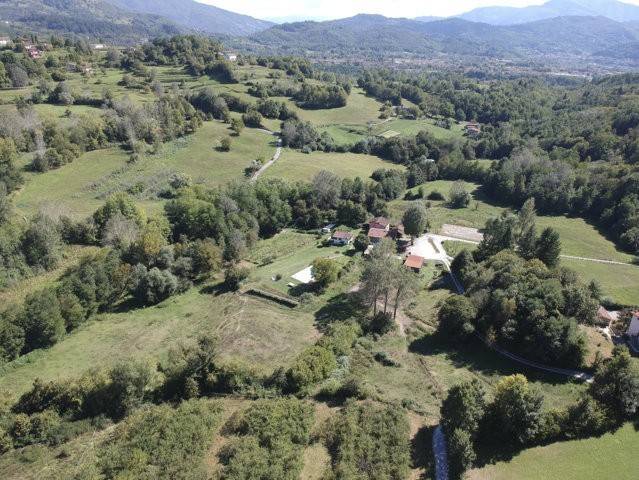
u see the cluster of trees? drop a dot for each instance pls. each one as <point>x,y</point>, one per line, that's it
<point>515,418</point>
<point>521,305</point>
<point>366,440</point>
<point>314,96</point>
<point>272,435</point>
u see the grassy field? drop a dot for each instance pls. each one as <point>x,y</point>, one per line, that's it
<point>79,188</point>
<point>618,282</point>
<point>610,456</point>
<point>413,127</point>
<point>295,165</point>
<point>252,331</point>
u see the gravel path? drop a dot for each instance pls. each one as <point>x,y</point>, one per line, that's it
<point>276,156</point>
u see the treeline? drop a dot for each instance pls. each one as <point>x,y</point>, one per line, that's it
<point>479,429</point>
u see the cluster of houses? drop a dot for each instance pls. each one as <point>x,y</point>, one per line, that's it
<point>378,229</point>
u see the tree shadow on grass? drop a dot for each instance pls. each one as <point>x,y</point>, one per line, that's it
<point>477,357</point>
<point>341,307</point>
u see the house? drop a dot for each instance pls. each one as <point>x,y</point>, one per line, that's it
<point>4,41</point>
<point>98,46</point>
<point>231,57</point>
<point>341,238</point>
<point>414,262</point>
<point>381,223</point>
<point>472,129</point>
<point>375,235</point>
<point>34,53</point>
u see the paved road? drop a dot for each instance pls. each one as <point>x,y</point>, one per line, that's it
<point>440,454</point>
<point>276,156</point>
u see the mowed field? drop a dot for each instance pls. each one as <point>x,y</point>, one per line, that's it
<point>82,186</point>
<point>294,165</point>
<point>613,455</point>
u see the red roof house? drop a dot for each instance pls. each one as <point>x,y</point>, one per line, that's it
<point>414,262</point>
<point>341,238</point>
<point>381,223</point>
<point>376,234</point>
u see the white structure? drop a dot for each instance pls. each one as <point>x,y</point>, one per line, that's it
<point>231,57</point>
<point>98,46</point>
<point>633,329</point>
<point>4,41</point>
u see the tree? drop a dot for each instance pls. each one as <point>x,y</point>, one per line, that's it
<point>120,232</point>
<point>377,276</point>
<point>499,234</point>
<point>406,284</point>
<point>225,144</point>
<point>616,384</point>
<point>42,242</point>
<point>311,366</point>
<point>42,320</point>
<point>527,230</point>
<point>415,219</point>
<point>326,188</point>
<point>458,197</point>
<point>456,318</point>
<point>361,242</point>
<point>325,271</point>
<point>129,383</point>
<point>237,125</point>
<point>17,74</point>
<point>464,408</point>
<point>515,413</point>
<point>549,247</point>
<point>461,452</point>
<point>153,286</point>
<point>120,203</point>
<point>234,276</point>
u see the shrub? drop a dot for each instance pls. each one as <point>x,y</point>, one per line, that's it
<point>234,276</point>
<point>311,366</point>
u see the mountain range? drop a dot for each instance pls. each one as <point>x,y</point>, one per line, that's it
<point>612,9</point>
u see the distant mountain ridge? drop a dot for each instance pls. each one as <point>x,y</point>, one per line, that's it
<point>375,33</point>
<point>196,16</point>
<point>612,9</point>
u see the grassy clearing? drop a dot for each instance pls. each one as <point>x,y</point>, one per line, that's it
<point>359,110</point>
<point>613,455</point>
<point>249,330</point>
<point>79,188</point>
<point>618,282</point>
<point>413,127</point>
<point>295,165</point>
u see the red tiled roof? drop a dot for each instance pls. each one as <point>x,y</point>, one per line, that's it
<point>377,233</point>
<point>414,261</point>
<point>383,221</point>
<point>342,235</point>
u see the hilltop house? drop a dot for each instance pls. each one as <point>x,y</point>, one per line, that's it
<point>340,238</point>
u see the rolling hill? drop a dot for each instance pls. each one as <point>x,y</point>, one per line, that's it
<point>611,9</point>
<point>196,16</point>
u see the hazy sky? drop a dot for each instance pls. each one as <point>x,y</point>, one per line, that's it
<point>325,9</point>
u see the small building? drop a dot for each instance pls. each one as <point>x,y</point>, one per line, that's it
<point>4,41</point>
<point>381,223</point>
<point>34,53</point>
<point>375,235</point>
<point>328,228</point>
<point>98,46</point>
<point>472,129</point>
<point>414,262</point>
<point>341,238</point>
<point>231,57</point>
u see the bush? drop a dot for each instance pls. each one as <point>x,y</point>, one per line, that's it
<point>458,196</point>
<point>153,286</point>
<point>456,317</point>
<point>435,195</point>
<point>311,366</point>
<point>234,276</point>
<point>381,324</point>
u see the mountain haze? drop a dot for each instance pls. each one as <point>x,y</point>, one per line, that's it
<point>611,9</point>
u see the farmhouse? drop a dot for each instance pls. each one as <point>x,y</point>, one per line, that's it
<point>381,223</point>
<point>414,262</point>
<point>472,129</point>
<point>341,238</point>
<point>375,235</point>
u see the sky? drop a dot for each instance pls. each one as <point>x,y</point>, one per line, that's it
<point>331,9</point>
